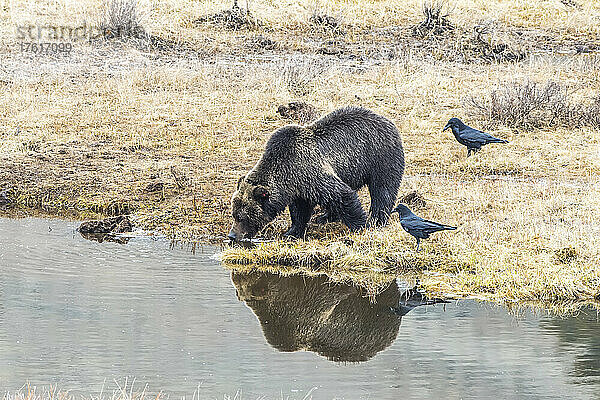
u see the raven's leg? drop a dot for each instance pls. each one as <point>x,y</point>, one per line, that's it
<point>418,242</point>
<point>469,150</point>
<point>300,212</point>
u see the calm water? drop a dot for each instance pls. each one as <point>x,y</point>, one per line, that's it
<point>80,314</point>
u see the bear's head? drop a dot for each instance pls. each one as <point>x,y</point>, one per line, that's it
<point>251,209</point>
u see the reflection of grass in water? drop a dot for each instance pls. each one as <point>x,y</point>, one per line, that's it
<point>373,258</point>
<point>373,282</point>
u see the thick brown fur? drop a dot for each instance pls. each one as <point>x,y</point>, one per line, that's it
<point>323,164</point>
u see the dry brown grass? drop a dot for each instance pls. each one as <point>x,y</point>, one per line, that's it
<point>89,134</point>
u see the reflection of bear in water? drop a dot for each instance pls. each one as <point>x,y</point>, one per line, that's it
<point>333,320</point>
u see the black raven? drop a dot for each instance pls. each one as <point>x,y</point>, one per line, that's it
<point>418,227</point>
<point>472,138</point>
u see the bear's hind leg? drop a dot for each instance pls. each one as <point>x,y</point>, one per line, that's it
<point>300,212</point>
<point>382,203</point>
<point>345,204</point>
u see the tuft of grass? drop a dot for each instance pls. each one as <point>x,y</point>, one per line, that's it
<point>369,251</point>
<point>300,75</point>
<point>122,20</point>
<point>591,113</point>
<point>324,21</point>
<point>436,20</point>
<point>414,200</point>
<point>565,255</point>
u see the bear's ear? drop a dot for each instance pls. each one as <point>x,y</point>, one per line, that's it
<point>260,193</point>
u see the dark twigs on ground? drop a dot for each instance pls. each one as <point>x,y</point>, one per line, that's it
<point>325,21</point>
<point>235,18</point>
<point>483,47</point>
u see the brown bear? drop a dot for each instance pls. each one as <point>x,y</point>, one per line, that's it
<point>323,164</point>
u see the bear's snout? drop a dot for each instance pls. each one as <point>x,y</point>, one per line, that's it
<point>232,236</point>
<point>235,233</point>
<point>238,232</point>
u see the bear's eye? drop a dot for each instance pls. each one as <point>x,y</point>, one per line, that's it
<point>260,193</point>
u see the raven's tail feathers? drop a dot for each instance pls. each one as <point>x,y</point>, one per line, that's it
<point>448,227</point>
<point>436,227</point>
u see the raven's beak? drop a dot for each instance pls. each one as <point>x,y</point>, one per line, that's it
<point>446,127</point>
